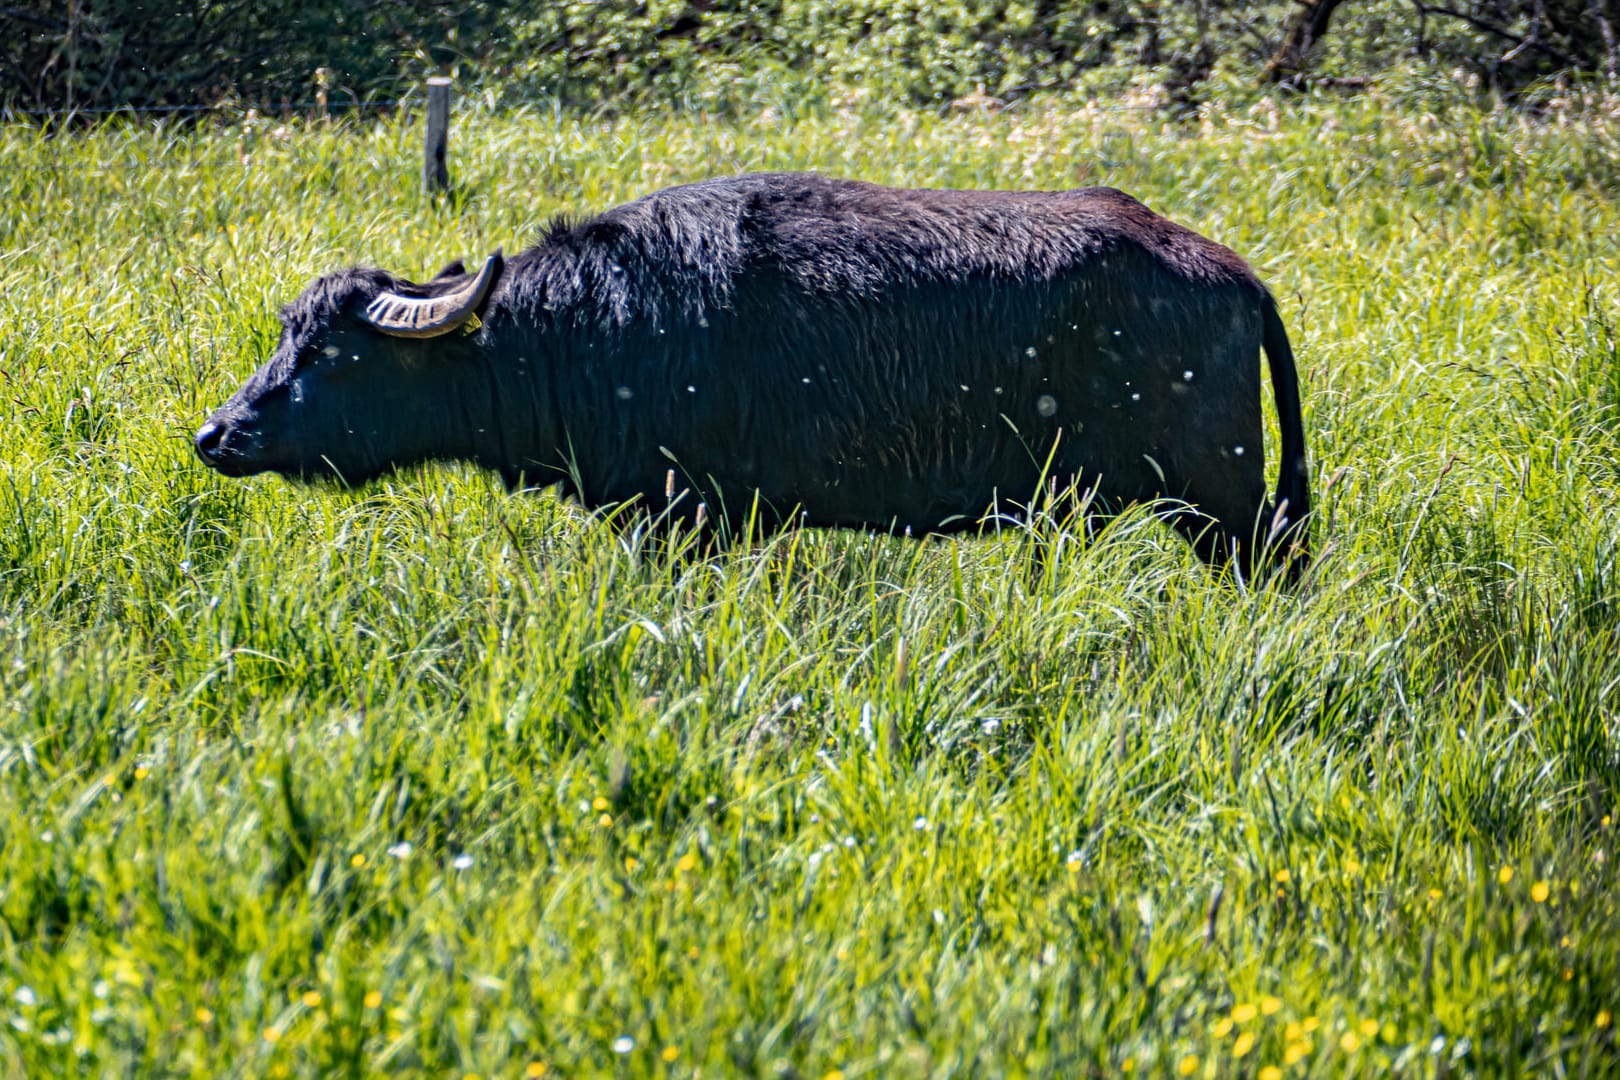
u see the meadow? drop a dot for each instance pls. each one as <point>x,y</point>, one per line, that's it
<point>427,779</point>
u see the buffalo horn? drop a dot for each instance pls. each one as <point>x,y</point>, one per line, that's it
<point>431,316</point>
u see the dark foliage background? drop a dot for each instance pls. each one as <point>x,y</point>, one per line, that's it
<point>97,54</point>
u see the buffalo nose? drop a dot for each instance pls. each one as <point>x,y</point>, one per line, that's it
<point>209,439</point>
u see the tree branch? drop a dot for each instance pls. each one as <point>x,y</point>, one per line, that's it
<point>1506,35</point>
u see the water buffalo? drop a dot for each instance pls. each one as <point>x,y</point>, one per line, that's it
<point>797,345</point>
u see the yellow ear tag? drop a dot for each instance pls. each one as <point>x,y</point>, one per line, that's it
<point>473,323</point>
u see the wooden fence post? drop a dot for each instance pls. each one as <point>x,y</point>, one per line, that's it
<point>435,168</point>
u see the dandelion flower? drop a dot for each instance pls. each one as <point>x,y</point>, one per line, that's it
<point>311,999</point>
<point>1369,1028</point>
<point>205,1015</point>
<point>1295,1052</point>
<point>1435,894</point>
<point>1540,891</point>
<point>357,860</point>
<point>1349,1042</point>
<point>142,772</point>
<point>271,1034</point>
<point>1351,867</point>
<point>1244,1043</point>
<point>605,821</point>
<point>686,863</point>
<point>1504,875</point>
<point>1221,1028</point>
<point>1243,1012</point>
<point>1270,1072</point>
<point>670,1053</point>
<point>834,1074</point>
<point>535,1071</point>
<point>1293,1031</point>
<point>374,999</point>
<point>1603,1019</point>
<point>1269,1006</point>
<point>599,804</point>
<point>1188,1065</point>
<point>1283,877</point>
<point>631,864</point>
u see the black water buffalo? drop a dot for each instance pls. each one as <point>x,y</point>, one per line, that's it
<point>796,345</point>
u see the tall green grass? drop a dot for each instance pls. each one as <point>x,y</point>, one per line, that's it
<point>428,779</point>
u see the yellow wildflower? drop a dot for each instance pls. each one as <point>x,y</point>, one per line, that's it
<point>374,999</point>
<point>1270,1072</point>
<point>142,772</point>
<point>205,1015</point>
<point>670,1053</point>
<point>1283,877</point>
<point>599,804</point>
<point>357,860</point>
<point>1269,1005</point>
<point>631,864</point>
<point>1369,1028</point>
<point>311,999</point>
<point>272,1034</point>
<point>834,1074</point>
<point>686,863</point>
<point>1349,1042</point>
<point>1435,894</point>
<point>1504,875</point>
<point>1243,1012</point>
<point>535,1071</point>
<point>1293,1031</point>
<point>1351,867</point>
<point>1295,1051</point>
<point>605,821</point>
<point>1188,1065</point>
<point>1540,891</point>
<point>1603,1019</point>
<point>1221,1028</point>
<point>1244,1043</point>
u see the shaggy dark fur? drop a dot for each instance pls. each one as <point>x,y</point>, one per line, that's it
<point>860,355</point>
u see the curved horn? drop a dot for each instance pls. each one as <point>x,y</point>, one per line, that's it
<point>431,316</point>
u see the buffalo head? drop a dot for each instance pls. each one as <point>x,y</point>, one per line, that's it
<point>364,379</point>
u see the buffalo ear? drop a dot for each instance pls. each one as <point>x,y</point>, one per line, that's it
<point>455,269</point>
